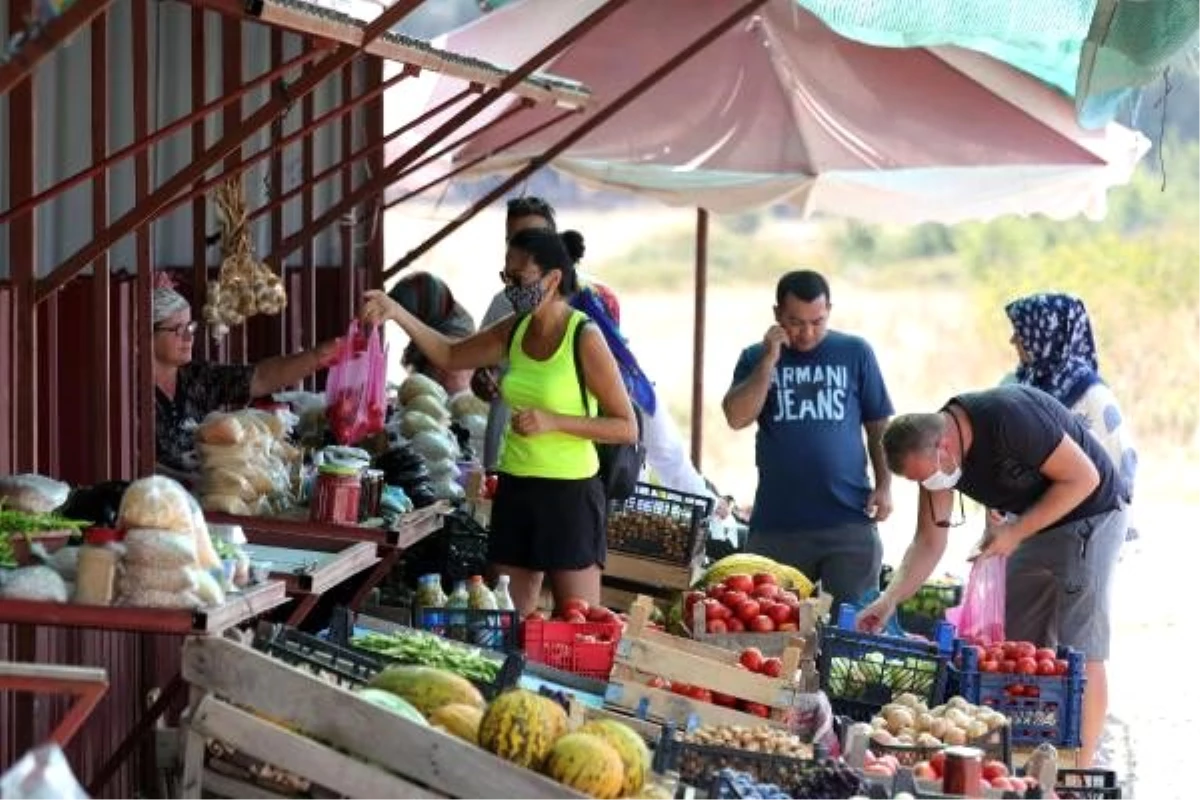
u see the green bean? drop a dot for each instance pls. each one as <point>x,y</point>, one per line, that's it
<point>426,649</point>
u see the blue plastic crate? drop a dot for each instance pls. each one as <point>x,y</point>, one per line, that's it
<point>862,672</point>
<point>492,630</point>
<point>1040,708</point>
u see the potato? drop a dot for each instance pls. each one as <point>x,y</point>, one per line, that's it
<point>928,740</point>
<point>908,700</point>
<point>976,728</point>
<point>879,723</point>
<point>898,718</point>
<point>906,738</point>
<point>924,720</point>
<point>884,738</point>
<point>955,736</point>
<point>938,728</point>
<point>957,718</point>
<point>959,703</point>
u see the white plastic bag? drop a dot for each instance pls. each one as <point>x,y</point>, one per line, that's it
<point>34,494</point>
<point>42,774</point>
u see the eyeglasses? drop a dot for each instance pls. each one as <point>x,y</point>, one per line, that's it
<point>947,523</point>
<point>181,330</point>
<point>515,280</point>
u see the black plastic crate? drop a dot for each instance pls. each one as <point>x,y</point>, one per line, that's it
<point>698,764</point>
<point>921,613</point>
<point>863,672</point>
<point>348,667</point>
<point>729,784</point>
<point>1087,784</point>
<point>995,744</point>
<point>659,523</point>
<point>492,630</point>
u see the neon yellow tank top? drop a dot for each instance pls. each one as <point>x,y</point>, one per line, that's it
<point>551,385</point>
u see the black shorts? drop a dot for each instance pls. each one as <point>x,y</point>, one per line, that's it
<point>547,524</point>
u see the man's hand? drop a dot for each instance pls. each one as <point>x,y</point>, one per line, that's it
<point>775,340</point>
<point>533,421</point>
<point>1001,537</point>
<point>879,504</point>
<point>874,617</point>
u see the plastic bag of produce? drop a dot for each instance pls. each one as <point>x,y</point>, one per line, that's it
<point>467,404</point>
<point>417,384</point>
<point>980,619</point>
<point>34,583</point>
<point>35,494</point>
<point>206,553</point>
<point>156,502</point>
<point>435,445</point>
<point>430,405</point>
<point>444,468</point>
<point>209,590</point>
<point>356,391</point>
<point>447,489</point>
<point>146,548</point>
<point>42,774</point>
<point>139,577</point>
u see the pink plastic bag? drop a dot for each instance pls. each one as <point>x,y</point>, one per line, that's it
<point>980,618</point>
<point>356,391</point>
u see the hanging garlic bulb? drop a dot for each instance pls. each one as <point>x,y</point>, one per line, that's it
<point>244,286</point>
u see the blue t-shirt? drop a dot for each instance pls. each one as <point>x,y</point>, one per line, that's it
<point>810,449</point>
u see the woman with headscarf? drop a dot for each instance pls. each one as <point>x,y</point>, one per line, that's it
<point>430,300</point>
<point>1053,338</point>
<point>548,515</point>
<point>187,391</point>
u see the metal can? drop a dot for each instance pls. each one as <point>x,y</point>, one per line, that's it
<point>335,498</point>
<point>372,494</point>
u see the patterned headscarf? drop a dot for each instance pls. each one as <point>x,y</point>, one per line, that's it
<point>600,304</point>
<point>1055,331</point>
<point>430,300</point>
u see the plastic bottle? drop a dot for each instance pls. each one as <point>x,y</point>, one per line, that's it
<point>459,599</point>
<point>504,600</point>
<point>480,596</point>
<point>431,603</point>
<point>95,583</point>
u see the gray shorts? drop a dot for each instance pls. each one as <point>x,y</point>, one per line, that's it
<point>845,560</point>
<point>1059,585</point>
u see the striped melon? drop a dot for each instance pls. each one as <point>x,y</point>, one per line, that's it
<point>635,755</point>
<point>459,719</point>
<point>427,688</point>
<point>587,764</point>
<point>519,726</point>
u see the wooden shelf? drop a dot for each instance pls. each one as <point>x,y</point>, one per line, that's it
<point>236,609</point>
<point>310,567</point>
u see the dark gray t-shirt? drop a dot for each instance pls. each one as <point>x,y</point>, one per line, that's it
<point>1015,429</point>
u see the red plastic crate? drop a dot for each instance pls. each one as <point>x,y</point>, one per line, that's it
<point>558,644</point>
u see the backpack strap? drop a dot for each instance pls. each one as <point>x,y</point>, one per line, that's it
<point>587,409</point>
<point>512,335</point>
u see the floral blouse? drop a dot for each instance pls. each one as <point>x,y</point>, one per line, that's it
<point>200,389</point>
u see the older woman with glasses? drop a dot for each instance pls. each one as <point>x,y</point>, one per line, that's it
<point>186,391</point>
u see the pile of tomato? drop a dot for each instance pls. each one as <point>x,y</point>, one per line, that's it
<point>745,603</point>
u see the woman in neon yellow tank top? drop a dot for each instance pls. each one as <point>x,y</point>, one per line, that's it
<point>549,513</point>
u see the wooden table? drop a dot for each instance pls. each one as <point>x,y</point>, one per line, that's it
<point>390,542</point>
<point>138,645</point>
<point>309,565</point>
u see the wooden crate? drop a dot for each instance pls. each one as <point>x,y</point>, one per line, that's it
<point>649,572</point>
<point>643,651</point>
<point>348,745</point>
<point>812,610</point>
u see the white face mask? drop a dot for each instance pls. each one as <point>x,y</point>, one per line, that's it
<point>941,481</point>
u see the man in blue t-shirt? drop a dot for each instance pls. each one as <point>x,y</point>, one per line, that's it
<point>812,392</point>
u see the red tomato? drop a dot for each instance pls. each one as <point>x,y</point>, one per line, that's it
<point>747,610</point>
<point>779,614</point>
<point>938,762</point>
<point>659,682</point>
<point>740,583</point>
<point>1044,653</point>
<point>689,602</point>
<point>1046,666</point>
<point>751,658</point>
<point>1024,650</point>
<point>989,665</point>
<point>996,654</point>
<point>1026,665</point>
<point>994,769</point>
<point>574,616</point>
<point>576,604</point>
<point>772,667</point>
<point>1032,691</point>
<point>716,626</point>
<point>681,688</point>
<point>714,609</point>
<point>761,578</point>
<point>1061,666</point>
<point>1016,690</point>
<point>718,591</point>
<point>536,615</point>
<point>761,624</point>
<point>1000,782</point>
<point>703,695</point>
<point>1008,665</point>
<point>768,590</point>
<point>789,599</point>
<point>757,709</point>
<point>735,625</point>
<point>922,771</point>
<point>734,598</point>
<point>787,627</point>
<point>726,700</point>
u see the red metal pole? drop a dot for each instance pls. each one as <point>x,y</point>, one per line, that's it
<point>348,282</point>
<point>233,345</point>
<point>202,346</point>
<point>380,182</point>
<point>374,136</point>
<point>372,147</point>
<point>54,33</point>
<point>276,341</point>
<point>589,125</point>
<point>102,383</point>
<point>307,322</point>
<point>144,376</point>
<point>195,118</point>
<point>698,335</point>
<point>513,142</point>
<point>230,141</point>
<point>22,258</point>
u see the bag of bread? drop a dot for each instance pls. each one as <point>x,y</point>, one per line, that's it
<point>139,577</point>
<point>220,428</point>
<point>156,502</point>
<point>231,504</point>
<point>152,598</point>
<point>206,552</point>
